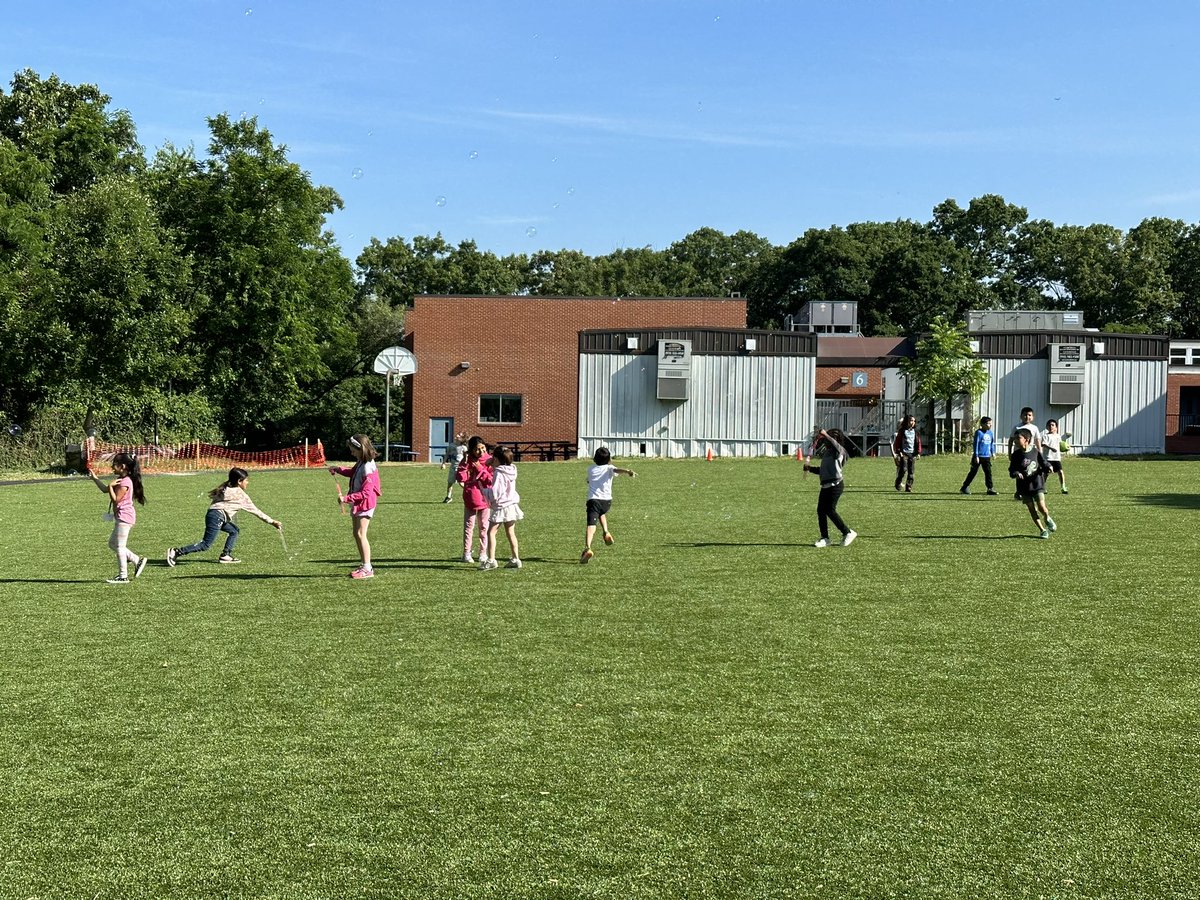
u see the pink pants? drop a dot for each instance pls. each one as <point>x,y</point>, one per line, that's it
<point>470,517</point>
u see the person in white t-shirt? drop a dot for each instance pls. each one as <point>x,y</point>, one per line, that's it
<point>1054,445</point>
<point>599,500</point>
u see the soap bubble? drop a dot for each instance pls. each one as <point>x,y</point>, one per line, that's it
<point>474,154</point>
<point>440,201</point>
<point>356,173</point>
<point>530,231</point>
<point>249,11</point>
<point>570,191</point>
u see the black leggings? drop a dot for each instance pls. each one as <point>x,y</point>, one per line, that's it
<point>827,509</point>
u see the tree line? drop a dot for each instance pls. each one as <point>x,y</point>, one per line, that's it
<point>185,295</point>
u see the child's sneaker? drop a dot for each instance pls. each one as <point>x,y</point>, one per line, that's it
<point>849,538</point>
<point>468,558</point>
<point>513,563</point>
<point>608,538</point>
<point>120,579</point>
<point>483,563</point>
<point>488,564</point>
<point>821,543</point>
<point>361,573</point>
<point>141,566</point>
<point>1050,524</point>
<point>585,556</point>
<point>228,560</point>
<point>1065,491</point>
<point>1045,535</point>
<point>171,554</point>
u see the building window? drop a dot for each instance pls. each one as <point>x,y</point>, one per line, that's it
<point>500,409</point>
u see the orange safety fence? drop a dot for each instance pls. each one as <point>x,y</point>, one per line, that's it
<point>197,456</point>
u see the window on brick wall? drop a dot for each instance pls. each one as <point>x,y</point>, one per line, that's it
<point>500,409</point>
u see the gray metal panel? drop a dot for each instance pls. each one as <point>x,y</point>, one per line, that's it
<point>1123,409</point>
<point>739,406</point>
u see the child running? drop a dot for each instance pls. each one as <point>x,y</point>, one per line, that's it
<point>504,508</point>
<point>831,448</point>
<point>227,498</point>
<point>475,475</point>
<point>454,455</point>
<point>1054,445</point>
<point>364,489</point>
<point>599,499</point>
<point>1029,468</point>
<point>122,491</point>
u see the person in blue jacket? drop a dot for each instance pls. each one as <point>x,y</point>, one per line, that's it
<point>981,456</point>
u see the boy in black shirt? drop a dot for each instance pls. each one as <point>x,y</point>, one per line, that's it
<point>1029,468</point>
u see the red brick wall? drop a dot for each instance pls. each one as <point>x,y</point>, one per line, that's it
<point>1177,443</point>
<point>527,346</point>
<point>829,383</point>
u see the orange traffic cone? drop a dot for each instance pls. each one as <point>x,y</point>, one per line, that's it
<point>800,454</point>
<point>708,454</point>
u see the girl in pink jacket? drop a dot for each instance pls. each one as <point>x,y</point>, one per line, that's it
<point>475,475</point>
<point>364,489</point>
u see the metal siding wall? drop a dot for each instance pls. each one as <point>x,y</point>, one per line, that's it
<point>739,406</point>
<point>1123,411</point>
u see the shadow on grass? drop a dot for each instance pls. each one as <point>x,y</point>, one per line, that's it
<point>703,544</point>
<point>973,537</point>
<point>46,581</point>
<point>1171,501</point>
<point>259,576</point>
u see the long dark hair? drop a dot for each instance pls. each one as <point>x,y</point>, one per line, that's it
<point>838,435</point>
<point>476,444</point>
<point>235,477</point>
<point>133,472</point>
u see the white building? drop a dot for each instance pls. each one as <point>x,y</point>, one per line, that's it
<point>683,392</point>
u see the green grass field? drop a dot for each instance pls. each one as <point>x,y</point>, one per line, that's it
<point>710,708</point>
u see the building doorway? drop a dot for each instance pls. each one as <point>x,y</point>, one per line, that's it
<point>441,435</point>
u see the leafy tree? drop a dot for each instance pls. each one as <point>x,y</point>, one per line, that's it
<point>708,263</point>
<point>69,129</point>
<point>274,295</point>
<point>122,327</point>
<point>945,368</point>
<point>26,279</point>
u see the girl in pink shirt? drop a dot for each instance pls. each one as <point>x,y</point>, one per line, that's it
<point>122,491</point>
<point>475,476</point>
<point>362,494</point>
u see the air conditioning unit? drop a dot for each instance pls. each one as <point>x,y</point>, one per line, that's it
<point>674,369</point>
<point>672,387</point>
<point>1068,374</point>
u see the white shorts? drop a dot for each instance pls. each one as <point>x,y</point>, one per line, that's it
<point>507,514</point>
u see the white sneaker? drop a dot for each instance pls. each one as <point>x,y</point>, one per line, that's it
<point>1045,535</point>
<point>468,558</point>
<point>513,563</point>
<point>141,566</point>
<point>1050,524</point>
<point>821,543</point>
<point>483,563</point>
<point>488,564</point>
<point>849,538</point>
<point>118,580</point>
<point>171,554</point>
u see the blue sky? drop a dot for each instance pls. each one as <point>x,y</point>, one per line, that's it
<point>601,125</point>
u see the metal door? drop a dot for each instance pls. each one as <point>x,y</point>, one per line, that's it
<point>441,433</point>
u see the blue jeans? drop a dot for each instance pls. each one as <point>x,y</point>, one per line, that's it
<point>214,521</point>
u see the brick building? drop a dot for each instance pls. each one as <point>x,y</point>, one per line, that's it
<point>507,368</point>
<point>1183,398</point>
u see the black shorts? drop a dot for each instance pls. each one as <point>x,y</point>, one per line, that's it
<point>596,509</point>
<point>1054,464</point>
